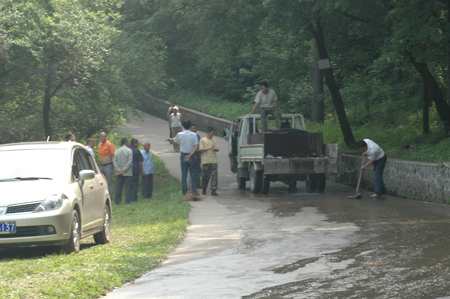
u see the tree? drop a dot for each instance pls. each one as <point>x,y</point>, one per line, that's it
<point>58,58</point>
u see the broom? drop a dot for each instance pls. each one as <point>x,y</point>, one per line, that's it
<point>357,195</point>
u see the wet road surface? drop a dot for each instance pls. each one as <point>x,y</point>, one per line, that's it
<point>280,245</point>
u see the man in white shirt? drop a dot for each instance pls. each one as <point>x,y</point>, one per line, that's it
<point>378,158</point>
<point>188,146</point>
<point>267,99</point>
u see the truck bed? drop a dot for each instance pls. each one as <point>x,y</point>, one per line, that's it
<point>289,144</point>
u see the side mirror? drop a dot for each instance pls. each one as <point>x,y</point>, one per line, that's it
<point>85,175</point>
<point>226,134</point>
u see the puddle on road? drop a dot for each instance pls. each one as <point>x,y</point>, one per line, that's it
<point>405,254</point>
<point>295,266</point>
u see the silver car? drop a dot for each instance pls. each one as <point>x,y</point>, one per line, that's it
<point>52,193</point>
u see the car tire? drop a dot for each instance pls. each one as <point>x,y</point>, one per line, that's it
<point>75,234</point>
<point>104,236</point>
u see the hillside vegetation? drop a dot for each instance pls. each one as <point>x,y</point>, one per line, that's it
<point>74,65</point>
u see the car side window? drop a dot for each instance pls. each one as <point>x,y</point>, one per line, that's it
<point>76,166</point>
<point>86,162</point>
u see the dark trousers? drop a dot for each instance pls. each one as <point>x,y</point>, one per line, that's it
<point>192,168</point>
<point>120,182</point>
<point>198,156</point>
<point>134,187</point>
<point>378,169</point>
<point>107,170</point>
<point>147,186</point>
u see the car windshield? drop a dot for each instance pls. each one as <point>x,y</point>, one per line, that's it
<point>33,164</point>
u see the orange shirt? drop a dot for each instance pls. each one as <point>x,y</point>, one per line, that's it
<point>106,149</point>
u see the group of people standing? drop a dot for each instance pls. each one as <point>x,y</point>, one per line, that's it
<point>198,155</point>
<point>130,164</point>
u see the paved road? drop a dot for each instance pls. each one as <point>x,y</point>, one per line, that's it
<point>242,245</point>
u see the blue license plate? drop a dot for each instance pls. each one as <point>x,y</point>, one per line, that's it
<point>7,227</point>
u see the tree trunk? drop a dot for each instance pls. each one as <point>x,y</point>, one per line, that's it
<point>319,37</point>
<point>448,71</point>
<point>425,111</point>
<point>447,3</point>
<point>318,113</point>
<point>47,99</point>
<point>441,104</point>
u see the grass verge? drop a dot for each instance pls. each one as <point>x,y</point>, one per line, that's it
<point>142,234</point>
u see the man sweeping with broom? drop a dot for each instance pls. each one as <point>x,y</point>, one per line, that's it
<point>378,158</point>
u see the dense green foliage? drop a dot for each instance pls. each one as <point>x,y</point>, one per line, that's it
<point>142,234</point>
<point>73,65</point>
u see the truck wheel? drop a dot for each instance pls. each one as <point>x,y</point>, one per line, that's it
<point>266,184</point>
<point>292,187</point>
<point>256,180</point>
<point>241,182</point>
<point>311,183</point>
<point>321,182</point>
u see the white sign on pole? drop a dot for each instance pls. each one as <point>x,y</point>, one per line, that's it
<point>324,63</point>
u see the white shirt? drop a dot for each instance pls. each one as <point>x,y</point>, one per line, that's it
<point>265,100</point>
<point>91,151</point>
<point>188,140</point>
<point>176,122</point>
<point>374,151</point>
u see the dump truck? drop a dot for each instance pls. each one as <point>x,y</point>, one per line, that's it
<point>289,154</point>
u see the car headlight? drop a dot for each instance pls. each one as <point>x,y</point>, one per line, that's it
<point>53,202</point>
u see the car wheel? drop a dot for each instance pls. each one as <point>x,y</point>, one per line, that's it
<point>75,235</point>
<point>241,182</point>
<point>104,236</point>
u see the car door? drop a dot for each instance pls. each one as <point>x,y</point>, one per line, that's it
<point>88,192</point>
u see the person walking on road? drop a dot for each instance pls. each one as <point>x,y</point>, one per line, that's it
<point>378,158</point>
<point>106,151</point>
<point>123,160</point>
<point>267,99</point>
<point>137,168</point>
<point>209,147</point>
<point>147,165</point>
<point>188,146</point>
<point>175,120</point>
<point>198,156</point>
<point>169,112</point>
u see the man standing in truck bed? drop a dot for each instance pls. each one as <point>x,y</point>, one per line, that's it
<point>267,98</point>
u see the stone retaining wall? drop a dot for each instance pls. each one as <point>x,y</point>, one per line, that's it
<point>403,178</point>
<point>408,179</point>
<point>158,107</point>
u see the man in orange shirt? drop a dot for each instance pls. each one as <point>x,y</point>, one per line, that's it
<point>106,150</point>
